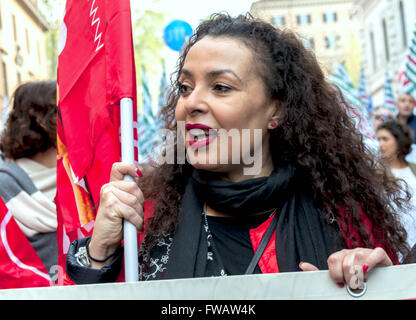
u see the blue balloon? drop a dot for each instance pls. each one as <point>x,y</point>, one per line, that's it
<point>176,33</point>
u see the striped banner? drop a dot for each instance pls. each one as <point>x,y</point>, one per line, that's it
<point>406,86</point>
<point>362,90</point>
<point>163,88</point>
<point>342,80</point>
<point>410,71</point>
<point>148,124</point>
<point>359,112</point>
<point>389,100</point>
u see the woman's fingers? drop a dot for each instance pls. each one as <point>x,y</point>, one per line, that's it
<point>335,267</point>
<point>305,266</point>
<point>128,192</point>
<point>133,215</point>
<point>130,206</point>
<point>350,266</point>
<point>119,199</point>
<point>120,169</point>
<point>125,193</point>
<point>377,258</point>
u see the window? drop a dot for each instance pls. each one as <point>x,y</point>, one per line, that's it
<point>373,50</point>
<point>331,41</point>
<point>304,19</point>
<point>330,17</point>
<point>279,21</point>
<point>403,22</point>
<point>386,41</point>
<point>14,27</point>
<point>308,42</point>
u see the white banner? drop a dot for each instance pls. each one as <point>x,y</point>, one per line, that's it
<point>398,283</point>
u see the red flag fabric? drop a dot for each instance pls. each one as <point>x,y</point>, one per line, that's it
<point>95,71</point>
<point>20,266</point>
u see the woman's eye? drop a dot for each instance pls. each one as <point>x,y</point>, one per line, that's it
<point>183,88</point>
<point>221,88</point>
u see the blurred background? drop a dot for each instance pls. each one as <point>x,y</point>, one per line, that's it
<point>362,45</point>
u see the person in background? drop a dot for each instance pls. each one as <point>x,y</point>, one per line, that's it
<point>405,105</point>
<point>28,173</point>
<point>395,140</point>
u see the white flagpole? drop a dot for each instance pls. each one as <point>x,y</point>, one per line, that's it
<point>131,264</point>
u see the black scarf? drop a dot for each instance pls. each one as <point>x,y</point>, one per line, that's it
<point>303,233</point>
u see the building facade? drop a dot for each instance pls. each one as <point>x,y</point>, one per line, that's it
<point>323,25</point>
<point>22,46</point>
<point>386,30</point>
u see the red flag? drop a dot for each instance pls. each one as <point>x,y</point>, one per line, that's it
<point>95,71</point>
<point>20,266</point>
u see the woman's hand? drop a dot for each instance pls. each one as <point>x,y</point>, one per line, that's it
<point>351,266</point>
<point>119,199</point>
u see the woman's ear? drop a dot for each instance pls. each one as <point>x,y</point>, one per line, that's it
<point>274,121</point>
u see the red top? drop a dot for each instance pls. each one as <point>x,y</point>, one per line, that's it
<point>268,261</point>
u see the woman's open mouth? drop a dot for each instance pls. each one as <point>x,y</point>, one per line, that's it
<point>199,135</point>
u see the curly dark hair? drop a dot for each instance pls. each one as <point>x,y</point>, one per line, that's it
<point>402,134</point>
<point>31,126</point>
<point>315,134</point>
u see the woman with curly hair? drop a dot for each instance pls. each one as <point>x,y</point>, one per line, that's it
<point>395,140</point>
<point>28,173</point>
<point>318,201</point>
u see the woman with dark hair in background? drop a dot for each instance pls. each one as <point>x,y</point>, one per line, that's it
<point>395,140</point>
<point>28,173</point>
<point>318,190</point>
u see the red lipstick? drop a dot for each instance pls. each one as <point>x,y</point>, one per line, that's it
<point>200,135</point>
<point>190,126</point>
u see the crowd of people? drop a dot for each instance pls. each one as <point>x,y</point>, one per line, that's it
<point>396,138</point>
<point>321,201</point>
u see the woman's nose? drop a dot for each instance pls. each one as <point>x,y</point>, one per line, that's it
<point>196,102</point>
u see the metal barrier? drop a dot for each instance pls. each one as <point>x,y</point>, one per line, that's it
<point>397,282</point>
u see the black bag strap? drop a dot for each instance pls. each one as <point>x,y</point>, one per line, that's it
<point>266,238</point>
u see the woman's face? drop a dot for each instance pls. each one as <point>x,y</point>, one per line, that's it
<point>388,144</point>
<point>224,108</point>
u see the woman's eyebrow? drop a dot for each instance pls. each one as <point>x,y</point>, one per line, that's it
<point>212,74</point>
<point>187,73</point>
<point>216,73</point>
